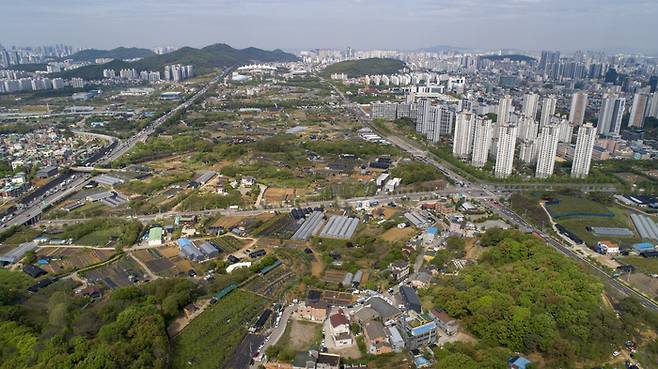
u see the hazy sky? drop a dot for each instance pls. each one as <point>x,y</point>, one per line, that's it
<point>297,24</point>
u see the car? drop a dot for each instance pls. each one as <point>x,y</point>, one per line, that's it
<point>616,353</point>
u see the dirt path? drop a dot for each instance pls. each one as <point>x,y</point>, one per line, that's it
<point>182,321</point>
<point>263,188</point>
<point>152,275</point>
<point>317,265</point>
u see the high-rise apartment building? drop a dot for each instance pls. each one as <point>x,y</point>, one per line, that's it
<point>463,137</point>
<point>582,157</point>
<point>578,106</point>
<point>481,141</point>
<point>505,150</point>
<point>548,138</point>
<point>638,110</point>
<point>530,105</point>
<point>547,110</point>
<point>610,114</point>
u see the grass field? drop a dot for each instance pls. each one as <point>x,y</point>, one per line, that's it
<point>301,335</point>
<point>643,265</point>
<point>575,205</point>
<point>209,340</point>
<point>228,243</point>
<point>18,235</point>
<point>578,226</point>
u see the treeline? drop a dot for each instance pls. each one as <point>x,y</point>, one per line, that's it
<point>415,172</point>
<point>56,329</point>
<point>526,297</point>
<point>127,232</point>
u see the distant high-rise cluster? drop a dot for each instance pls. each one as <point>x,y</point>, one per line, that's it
<point>132,75</point>
<point>178,72</point>
<point>519,133</point>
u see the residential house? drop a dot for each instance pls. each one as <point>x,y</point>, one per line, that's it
<point>365,314</point>
<point>376,338</point>
<point>399,269</point>
<point>313,310</point>
<point>340,329</point>
<point>447,324</point>
<point>395,338</point>
<point>386,311</point>
<point>409,298</point>
<point>607,248</point>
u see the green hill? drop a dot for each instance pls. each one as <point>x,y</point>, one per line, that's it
<point>204,60</point>
<point>512,57</point>
<point>362,67</point>
<point>118,53</point>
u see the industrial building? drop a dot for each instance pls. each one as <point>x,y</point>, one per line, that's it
<point>107,180</point>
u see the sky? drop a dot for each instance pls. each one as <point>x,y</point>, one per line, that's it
<point>567,25</point>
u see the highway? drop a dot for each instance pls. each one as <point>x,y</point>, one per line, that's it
<point>498,208</point>
<point>34,209</point>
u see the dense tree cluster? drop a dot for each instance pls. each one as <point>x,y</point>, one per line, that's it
<point>528,298</point>
<point>415,172</point>
<point>56,329</point>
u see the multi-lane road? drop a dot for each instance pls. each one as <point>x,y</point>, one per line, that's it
<point>352,202</point>
<point>34,208</point>
<point>498,208</point>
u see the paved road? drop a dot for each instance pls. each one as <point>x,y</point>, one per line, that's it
<point>34,210</point>
<point>383,199</point>
<point>503,211</point>
<point>277,331</point>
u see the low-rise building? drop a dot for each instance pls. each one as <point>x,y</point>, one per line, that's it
<point>607,248</point>
<point>418,330</point>
<point>376,338</point>
<point>447,324</point>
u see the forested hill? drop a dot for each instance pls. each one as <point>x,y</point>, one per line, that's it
<point>523,296</point>
<point>204,60</point>
<point>362,67</point>
<point>118,53</point>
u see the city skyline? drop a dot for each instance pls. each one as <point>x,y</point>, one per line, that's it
<point>530,24</point>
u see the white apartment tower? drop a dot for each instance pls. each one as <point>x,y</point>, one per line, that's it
<point>610,115</point>
<point>578,106</point>
<point>505,152</point>
<point>463,138</point>
<point>548,138</point>
<point>530,105</point>
<point>583,152</point>
<point>547,110</point>
<point>638,110</point>
<point>442,123</point>
<point>528,151</point>
<point>481,141</point>
<point>503,113</point>
<point>527,128</point>
<point>653,105</point>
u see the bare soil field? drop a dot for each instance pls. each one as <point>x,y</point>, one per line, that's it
<point>397,234</point>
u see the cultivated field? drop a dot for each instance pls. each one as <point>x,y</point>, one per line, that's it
<point>209,340</point>
<point>66,259</point>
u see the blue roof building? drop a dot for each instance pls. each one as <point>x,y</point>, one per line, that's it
<point>189,250</point>
<point>643,246</point>
<point>518,362</point>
